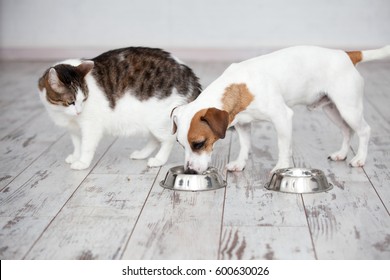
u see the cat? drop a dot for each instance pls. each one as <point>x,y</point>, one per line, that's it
<point>123,92</point>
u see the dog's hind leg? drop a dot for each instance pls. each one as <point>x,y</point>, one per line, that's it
<point>334,115</point>
<point>357,122</point>
<point>350,106</point>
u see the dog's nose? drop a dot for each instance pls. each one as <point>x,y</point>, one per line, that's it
<point>190,171</point>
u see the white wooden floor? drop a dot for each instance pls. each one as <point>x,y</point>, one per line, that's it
<point>117,210</point>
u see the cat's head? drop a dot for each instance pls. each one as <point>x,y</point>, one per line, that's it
<point>63,87</point>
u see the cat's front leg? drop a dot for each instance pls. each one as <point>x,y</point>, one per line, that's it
<point>76,140</point>
<point>146,151</point>
<point>163,154</point>
<point>90,137</point>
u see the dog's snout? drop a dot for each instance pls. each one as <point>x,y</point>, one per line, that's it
<point>190,171</point>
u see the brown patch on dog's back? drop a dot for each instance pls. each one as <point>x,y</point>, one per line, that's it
<point>355,56</point>
<point>236,99</point>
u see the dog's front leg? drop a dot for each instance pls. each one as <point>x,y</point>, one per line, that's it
<point>244,135</point>
<point>283,126</point>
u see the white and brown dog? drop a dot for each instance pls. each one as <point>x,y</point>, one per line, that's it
<point>265,88</point>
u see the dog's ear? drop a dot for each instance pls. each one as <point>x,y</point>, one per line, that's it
<point>218,121</point>
<point>174,121</point>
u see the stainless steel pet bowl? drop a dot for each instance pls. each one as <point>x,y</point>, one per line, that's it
<point>177,180</point>
<point>298,180</point>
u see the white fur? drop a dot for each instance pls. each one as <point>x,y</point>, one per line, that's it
<point>88,121</point>
<point>279,81</point>
<point>376,54</point>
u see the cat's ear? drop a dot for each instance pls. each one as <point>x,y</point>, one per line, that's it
<point>54,81</point>
<point>85,67</point>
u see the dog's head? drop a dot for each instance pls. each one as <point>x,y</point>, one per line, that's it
<point>197,131</point>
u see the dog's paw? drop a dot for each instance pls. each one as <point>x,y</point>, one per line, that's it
<point>273,170</point>
<point>155,162</point>
<point>79,165</point>
<point>337,157</point>
<point>138,155</point>
<point>357,162</point>
<point>280,166</point>
<point>71,159</point>
<point>235,166</point>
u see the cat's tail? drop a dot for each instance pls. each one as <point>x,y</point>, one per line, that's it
<point>369,55</point>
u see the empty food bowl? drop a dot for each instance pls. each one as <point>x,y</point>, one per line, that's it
<point>298,180</point>
<point>177,179</point>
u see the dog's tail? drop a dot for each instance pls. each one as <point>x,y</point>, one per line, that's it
<point>363,56</point>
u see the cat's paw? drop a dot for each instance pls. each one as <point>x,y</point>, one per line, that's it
<point>155,162</point>
<point>79,165</point>
<point>235,166</point>
<point>138,155</point>
<point>71,159</point>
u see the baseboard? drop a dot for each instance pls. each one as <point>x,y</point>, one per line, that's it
<point>185,54</point>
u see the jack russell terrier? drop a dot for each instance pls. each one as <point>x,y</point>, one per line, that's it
<point>265,88</point>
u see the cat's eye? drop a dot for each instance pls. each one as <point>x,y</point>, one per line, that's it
<point>198,145</point>
<point>71,103</point>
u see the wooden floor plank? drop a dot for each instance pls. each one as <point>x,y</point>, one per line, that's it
<point>19,95</point>
<point>378,158</point>
<point>180,225</point>
<point>19,82</point>
<point>377,113</point>
<point>377,84</point>
<point>97,220</point>
<point>17,234</point>
<point>266,243</point>
<point>24,145</point>
<point>349,221</point>
<point>254,214</point>
<point>117,159</point>
<point>41,191</point>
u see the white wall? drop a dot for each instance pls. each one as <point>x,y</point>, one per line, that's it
<point>191,24</point>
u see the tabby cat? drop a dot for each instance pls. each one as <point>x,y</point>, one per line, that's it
<point>123,92</point>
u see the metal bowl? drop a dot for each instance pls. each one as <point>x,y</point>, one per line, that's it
<point>176,179</point>
<point>298,180</point>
